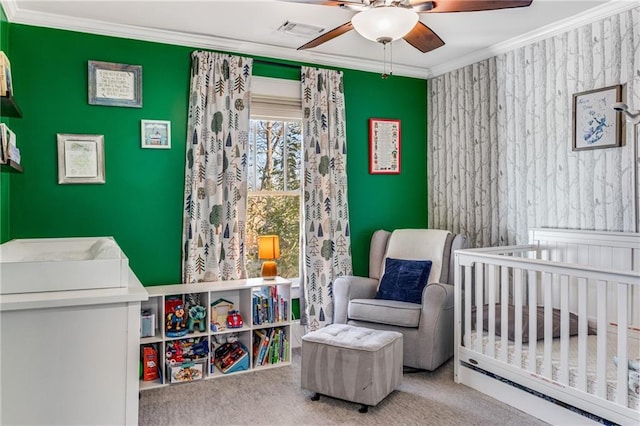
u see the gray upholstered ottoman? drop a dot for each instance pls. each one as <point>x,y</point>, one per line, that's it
<point>352,363</point>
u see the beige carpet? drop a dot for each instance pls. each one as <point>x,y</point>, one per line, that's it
<point>274,397</point>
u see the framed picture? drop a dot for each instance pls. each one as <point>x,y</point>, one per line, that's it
<point>595,123</point>
<point>156,134</point>
<point>384,146</point>
<point>80,158</point>
<point>115,84</point>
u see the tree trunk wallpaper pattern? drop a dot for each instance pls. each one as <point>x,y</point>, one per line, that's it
<point>500,157</point>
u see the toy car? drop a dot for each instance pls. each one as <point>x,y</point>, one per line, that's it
<point>234,319</point>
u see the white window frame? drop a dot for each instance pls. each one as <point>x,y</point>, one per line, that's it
<point>281,100</point>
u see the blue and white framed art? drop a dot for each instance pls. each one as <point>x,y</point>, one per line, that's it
<point>595,123</point>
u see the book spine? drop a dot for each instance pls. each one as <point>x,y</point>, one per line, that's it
<point>263,350</point>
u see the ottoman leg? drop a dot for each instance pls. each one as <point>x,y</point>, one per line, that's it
<point>315,397</point>
<point>364,409</point>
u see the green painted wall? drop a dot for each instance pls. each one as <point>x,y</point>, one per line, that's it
<point>141,202</point>
<point>4,177</point>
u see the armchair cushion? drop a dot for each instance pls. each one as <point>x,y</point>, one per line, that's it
<point>391,312</point>
<point>404,280</point>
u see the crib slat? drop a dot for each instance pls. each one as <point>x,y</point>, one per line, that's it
<point>582,334</point>
<point>504,301</point>
<point>533,319</point>
<point>564,329</point>
<point>601,360</point>
<point>622,387</point>
<point>517,335</point>
<point>479,303</point>
<point>548,324</point>
<point>467,292</point>
<point>491,290</point>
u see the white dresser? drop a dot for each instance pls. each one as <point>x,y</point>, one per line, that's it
<point>68,356</point>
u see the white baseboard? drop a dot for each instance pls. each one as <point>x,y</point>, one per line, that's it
<point>523,401</point>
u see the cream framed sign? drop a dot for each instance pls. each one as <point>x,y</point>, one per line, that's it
<point>115,84</point>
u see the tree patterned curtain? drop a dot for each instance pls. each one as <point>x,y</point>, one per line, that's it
<point>215,195</point>
<point>327,242</point>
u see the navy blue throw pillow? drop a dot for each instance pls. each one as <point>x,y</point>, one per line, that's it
<point>404,280</point>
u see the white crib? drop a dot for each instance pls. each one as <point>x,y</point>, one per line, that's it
<point>557,370</point>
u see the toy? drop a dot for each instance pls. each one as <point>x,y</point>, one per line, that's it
<point>197,316</point>
<point>234,320</point>
<point>219,310</point>
<point>186,373</point>
<point>150,363</point>
<point>194,349</point>
<point>175,318</point>
<point>231,357</point>
<point>174,353</point>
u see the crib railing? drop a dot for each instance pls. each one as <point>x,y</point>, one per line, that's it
<point>536,280</point>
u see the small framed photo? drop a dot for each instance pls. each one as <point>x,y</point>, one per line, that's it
<point>384,146</point>
<point>115,84</point>
<point>595,123</point>
<point>80,158</point>
<point>156,134</point>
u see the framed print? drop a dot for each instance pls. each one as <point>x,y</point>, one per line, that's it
<point>595,123</point>
<point>80,158</point>
<point>384,146</point>
<point>156,134</point>
<point>115,84</point>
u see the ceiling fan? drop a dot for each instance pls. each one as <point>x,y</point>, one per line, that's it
<point>384,21</point>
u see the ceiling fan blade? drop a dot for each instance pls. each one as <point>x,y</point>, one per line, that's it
<point>442,6</point>
<point>329,35</point>
<point>325,2</point>
<point>423,38</point>
<point>421,5</point>
<point>356,5</point>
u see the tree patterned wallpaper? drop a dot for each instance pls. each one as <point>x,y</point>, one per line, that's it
<point>499,138</point>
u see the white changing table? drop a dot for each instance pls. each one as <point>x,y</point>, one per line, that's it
<point>71,357</point>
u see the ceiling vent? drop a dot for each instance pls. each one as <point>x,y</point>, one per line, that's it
<point>300,30</point>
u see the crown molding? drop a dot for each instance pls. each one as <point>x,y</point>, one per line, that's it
<point>27,17</point>
<point>592,15</point>
<point>91,26</point>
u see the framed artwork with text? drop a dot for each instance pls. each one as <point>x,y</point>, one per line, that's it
<point>115,84</point>
<point>384,146</point>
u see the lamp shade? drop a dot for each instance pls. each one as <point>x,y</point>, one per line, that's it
<point>385,23</point>
<point>268,247</point>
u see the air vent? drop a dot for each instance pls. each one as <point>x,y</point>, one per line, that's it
<point>300,30</point>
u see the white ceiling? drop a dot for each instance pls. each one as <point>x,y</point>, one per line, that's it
<point>250,27</point>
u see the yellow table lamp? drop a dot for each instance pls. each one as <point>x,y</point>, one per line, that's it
<point>268,250</point>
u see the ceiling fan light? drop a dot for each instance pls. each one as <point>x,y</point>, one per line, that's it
<point>385,22</point>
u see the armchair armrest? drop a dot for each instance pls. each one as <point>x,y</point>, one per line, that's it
<point>436,323</point>
<point>349,287</point>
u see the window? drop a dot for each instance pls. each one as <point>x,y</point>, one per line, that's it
<point>274,161</point>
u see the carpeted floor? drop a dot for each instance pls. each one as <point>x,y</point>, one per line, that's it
<point>274,397</point>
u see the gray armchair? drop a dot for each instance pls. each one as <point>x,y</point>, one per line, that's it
<point>427,327</point>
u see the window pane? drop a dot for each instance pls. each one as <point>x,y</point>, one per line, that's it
<point>266,166</point>
<point>293,148</point>
<point>279,215</point>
